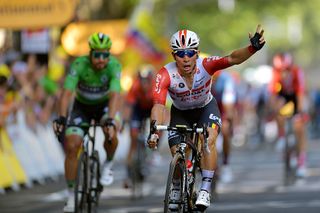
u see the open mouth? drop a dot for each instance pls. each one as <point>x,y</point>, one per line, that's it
<point>187,67</point>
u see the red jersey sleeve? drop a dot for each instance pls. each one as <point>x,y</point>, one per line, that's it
<point>274,85</point>
<point>161,86</point>
<point>131,96</point>
<point>214,63</point>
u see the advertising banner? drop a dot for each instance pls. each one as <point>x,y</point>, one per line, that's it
<point>19,14</point>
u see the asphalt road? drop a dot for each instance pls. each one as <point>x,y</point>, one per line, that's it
<point>256,187</point>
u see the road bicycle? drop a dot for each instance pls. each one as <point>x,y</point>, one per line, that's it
<point>138,168</point>
<point>185,163</point>
<point>87,186</point>
<point>291,148</point>
<point>290,154</point>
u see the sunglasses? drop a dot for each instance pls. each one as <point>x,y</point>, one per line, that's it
<point>102,55</point>
<point>181,53</point>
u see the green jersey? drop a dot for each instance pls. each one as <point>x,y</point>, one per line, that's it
<point>93,86</point>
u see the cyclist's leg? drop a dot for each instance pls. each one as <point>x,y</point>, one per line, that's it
<point>210,115</point>
<point>281,101</point>
<point>177,117</point>
<point>73,141</point>
<point>226,130</point>
<point>299,129</point>
<point>110,148</point>
<point>135,126</point>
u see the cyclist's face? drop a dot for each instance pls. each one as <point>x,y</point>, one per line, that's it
<point>186,60</point>
<point>99,58</point>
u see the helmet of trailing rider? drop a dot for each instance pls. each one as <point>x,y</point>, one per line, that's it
<point>282,61</point>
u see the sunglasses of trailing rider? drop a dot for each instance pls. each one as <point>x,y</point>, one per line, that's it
<point>98,55</point>
<point>188,52</point>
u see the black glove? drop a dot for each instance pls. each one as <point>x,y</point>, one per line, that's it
<point>59,127</point>
<point>255,42</point>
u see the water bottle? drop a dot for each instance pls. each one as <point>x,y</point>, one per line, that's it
<point>189,172</point>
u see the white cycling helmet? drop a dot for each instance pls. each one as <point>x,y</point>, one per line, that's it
<point>184,39</point>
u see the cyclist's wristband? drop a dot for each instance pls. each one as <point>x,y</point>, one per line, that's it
<point>62,120</point>
<point>251,49</point>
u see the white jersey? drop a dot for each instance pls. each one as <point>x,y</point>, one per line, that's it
<point>183,98</point>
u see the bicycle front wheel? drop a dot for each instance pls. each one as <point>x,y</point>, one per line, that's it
<point>95,186</point>
<point>81,185</point>
<point>177,169</point>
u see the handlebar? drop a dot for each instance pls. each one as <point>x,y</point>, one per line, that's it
<point>182,129</point>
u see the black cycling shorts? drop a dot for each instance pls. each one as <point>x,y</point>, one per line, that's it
<point>83,114</point>
<point>208,114</point>
<point>139,116</point>
<point>290,97</point>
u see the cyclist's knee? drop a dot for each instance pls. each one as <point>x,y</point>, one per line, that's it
<point>72,144</point>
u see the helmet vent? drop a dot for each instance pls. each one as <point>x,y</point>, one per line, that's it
<point>101,37</point>
<point>189,41</point>
<point>183,40</point>
<point>177,43</point>
<point>195,43</point>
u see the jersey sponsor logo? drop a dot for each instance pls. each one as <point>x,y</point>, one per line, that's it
<point>181,85</point>
<point>73,72</point>
<point>200,80</point>
<point>212,58</point>
<point>90,89</point>
<point>157,86</point>
<point>215,118</point>
<point>104,79</point>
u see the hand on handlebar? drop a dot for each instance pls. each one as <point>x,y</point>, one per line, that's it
<point>59,127</point>
<point>153,140</point>
<point>110,128</point>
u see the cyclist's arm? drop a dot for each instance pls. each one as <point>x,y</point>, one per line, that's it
<point>65,98</point>
<point>300,89</point>
<point>240,55</point>
<point>158,113</point>
<point>160,90</point>
<point>69,87</point>
<point>115,88</point>
<point>113,104</point>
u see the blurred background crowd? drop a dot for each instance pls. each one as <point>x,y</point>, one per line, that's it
<point>39,40</point>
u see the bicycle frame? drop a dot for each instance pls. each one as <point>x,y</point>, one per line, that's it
<point>87,194</point>
<point>187,185</point>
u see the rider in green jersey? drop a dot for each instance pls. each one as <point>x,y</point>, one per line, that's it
<point>95,81</point>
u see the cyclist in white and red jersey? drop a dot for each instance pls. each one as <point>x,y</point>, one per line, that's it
<point>287,85</point>
<point>188,81</point>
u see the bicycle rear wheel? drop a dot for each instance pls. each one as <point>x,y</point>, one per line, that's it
<point>177,165</point>
<point>81,185</point>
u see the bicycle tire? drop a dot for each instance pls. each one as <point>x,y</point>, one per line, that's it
<point>95,186</point>
<point>81,183</point>
<point>289,168</point>
<point>177,162</point>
